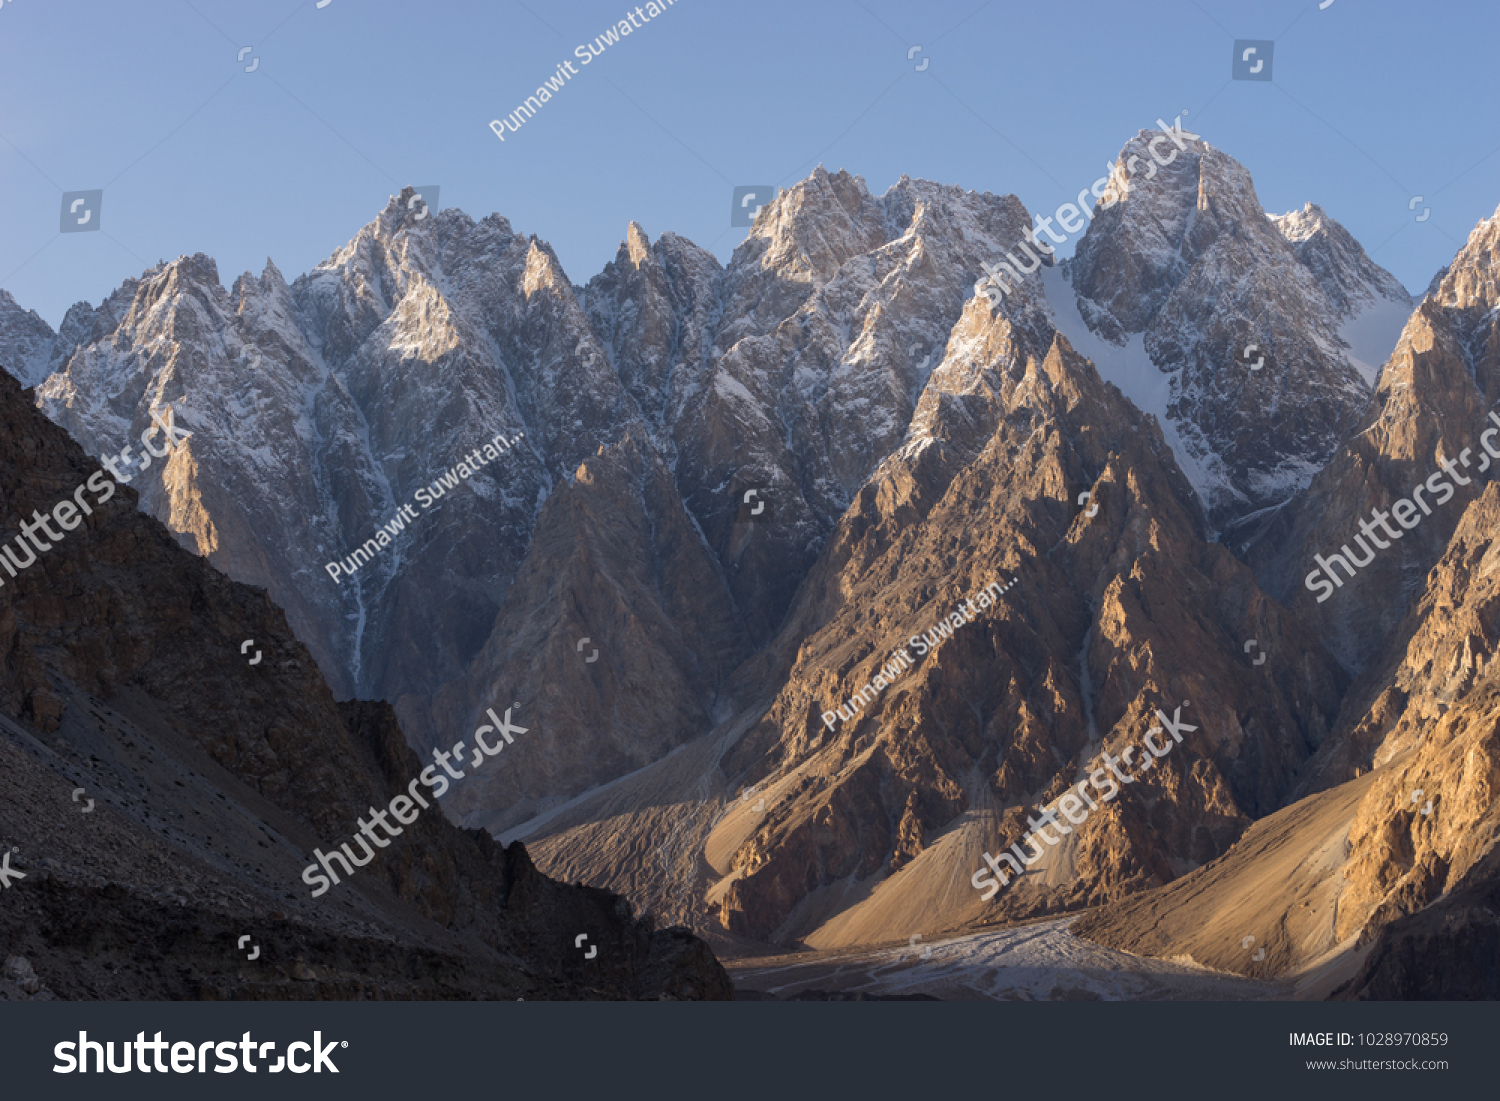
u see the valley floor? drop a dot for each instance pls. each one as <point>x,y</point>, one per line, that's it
<point>1041,961</point>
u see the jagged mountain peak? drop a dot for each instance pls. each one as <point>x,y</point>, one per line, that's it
<point>637,244</point>
<point>404,233</point>
<point>269,282</point>
<point>1473,278</point>
<point>544,270</point>
<point>812,227</point>
<point>197,269</point>
<point>1258,352</point>
<point>1298,225</point>
<point>26,341</point>
<point>1431,401</point>
<point>1157,221</point>
<point>1344,271</point>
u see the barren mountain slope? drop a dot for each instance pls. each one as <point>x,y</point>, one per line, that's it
<point>614,643</point>
<point>209,776</point>
<point>1430,408</point>
<point>1400,859</point>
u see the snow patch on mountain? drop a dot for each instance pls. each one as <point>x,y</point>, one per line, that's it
<point>1370,303</point>
<point>1372,335</point>
<point>1150,389</point>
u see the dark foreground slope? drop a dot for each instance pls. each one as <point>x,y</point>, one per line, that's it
<point>205,782</point>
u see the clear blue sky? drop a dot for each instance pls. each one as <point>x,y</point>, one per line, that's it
<point>1372,102</point>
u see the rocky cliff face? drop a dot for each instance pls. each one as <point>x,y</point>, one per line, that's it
<point>1430,406</point>
<point>1442,953</point>
<point>1424,719</point>
<point>314,422</point>
<point>1380,883</point>
<point>206,781</point>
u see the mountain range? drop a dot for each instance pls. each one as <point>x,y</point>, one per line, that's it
<point>737,491</point>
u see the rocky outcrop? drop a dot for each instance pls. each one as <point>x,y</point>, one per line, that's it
<point>614,644</point>
<point>1446,952</point>
<point>1425,721</point>
<point>1392,896</point>
<point>1351,281</point>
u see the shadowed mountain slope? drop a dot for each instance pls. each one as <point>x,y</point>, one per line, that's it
<point>209,779</point>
